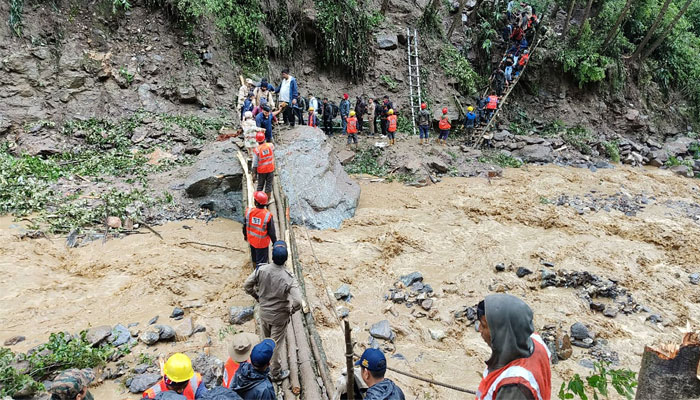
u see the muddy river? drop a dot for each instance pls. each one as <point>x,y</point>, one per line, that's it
<point>454,233</point>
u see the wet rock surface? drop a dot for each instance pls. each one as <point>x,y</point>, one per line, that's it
<point>141,382</point>
<point>240,315</point>
<point>320,192</point>
<point>594,202</point>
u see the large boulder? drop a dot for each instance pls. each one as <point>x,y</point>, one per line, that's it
<point>320,192</point>
<point>679,146</point>
<point>387,41</point>
<point>534,153</point>
<point>215,180</point>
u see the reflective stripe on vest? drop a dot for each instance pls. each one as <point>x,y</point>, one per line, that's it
<point>493,103</point>
<point>532,372</point>
<point>444,124</point>
<point>266,158</point>
<point>189,392</point>
<point>230,369</point>
<point>351,125</point>
<point>392,123</point>
<point>257,220</point>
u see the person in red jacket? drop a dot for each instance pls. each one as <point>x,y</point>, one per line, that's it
<point>259,229</point>
<point>264,164</point>
<point>444,126</point>
<point>392,125</point>
<point>491,105</point>
<point>351,129</point>
<point>519,366</point>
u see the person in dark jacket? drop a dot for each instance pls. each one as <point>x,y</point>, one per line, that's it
<point>327,116</point>
<point>344,110</point>
<point>386,106</point>
<point>373,367</point>
<point>299,106</point>
<point>252,381</point>
<point>360,111</point>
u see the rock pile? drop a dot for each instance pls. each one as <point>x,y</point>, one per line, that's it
<point>411,291</point>
<point>594,202</point>
<point>592,287</point>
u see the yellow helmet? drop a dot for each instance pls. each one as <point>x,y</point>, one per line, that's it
<point>470,108</point>
<point>311,108</point>
<point>352,113</point>
<point>391,111</point>
<point>178,368</point>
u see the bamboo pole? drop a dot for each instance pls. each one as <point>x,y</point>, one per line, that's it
<point>349,362</point>
<point>293,361</point>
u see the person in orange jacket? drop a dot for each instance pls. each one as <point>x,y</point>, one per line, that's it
<point>444,126</point>
<point>392,125</point>
<point>259,229</point>
<point>351,129</point>
<point>179,377</point>
<point>264,164</point>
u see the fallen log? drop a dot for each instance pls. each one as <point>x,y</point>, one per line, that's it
<point>671,372</point>
<point>293,360</point>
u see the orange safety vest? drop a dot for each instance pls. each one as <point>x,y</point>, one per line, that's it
<point>266,158</point>
<point>523,59</point>
<point>189,392</point>
<point>493,103</point>
<point>533,372</point>
<point>351,125</point>
<point>392,123</point>
<point>312,120</point>
<point>257,220</point>
<point>444,124</point>
<point>230,369</point>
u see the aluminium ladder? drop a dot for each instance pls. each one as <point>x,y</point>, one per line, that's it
<point>413,74</point>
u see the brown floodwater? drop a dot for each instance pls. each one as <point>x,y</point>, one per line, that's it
<point>454,233</point>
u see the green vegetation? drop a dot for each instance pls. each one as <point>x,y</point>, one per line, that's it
<point>366,162</point>
<point>612,150</point>
<point>553,128</point>
<point>520,123</point>
<point>345,28</point>
<point>60,352</point>
<point>129,77</point>
<point>694,149</point>
<point>16,9</point>
<point>501,159</point>
<point>579,138</point>
<point>120,5</point>
<point>404,124</point>
<point>28,183</point>
<point>458,67</point>
<point>389,82</point>
<point>674,161</point>
<point>597,384</point>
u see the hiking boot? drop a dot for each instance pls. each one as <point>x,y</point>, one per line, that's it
<point>282,375</point>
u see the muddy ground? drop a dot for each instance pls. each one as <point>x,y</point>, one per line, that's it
<point>453,232</point>
<point>457,231</point>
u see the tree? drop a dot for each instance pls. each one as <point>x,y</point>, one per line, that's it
<point>655,25</point>
<point>620,18</point>
<point>568,18</point>
<point>666,32</point>
<point>586,14</point>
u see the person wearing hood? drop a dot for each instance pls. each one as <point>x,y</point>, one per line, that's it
<point>519,366</point>
<point>278,294</point>
<point>251,381</point>
<point>373,367</point>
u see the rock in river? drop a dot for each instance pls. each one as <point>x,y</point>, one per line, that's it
<point>382,330</point>
<point>139,383</point>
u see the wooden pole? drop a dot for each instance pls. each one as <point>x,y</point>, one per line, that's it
<point>293,361</point>
<point>349,362</point>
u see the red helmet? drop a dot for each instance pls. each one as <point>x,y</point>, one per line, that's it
<point>260,137</point>
<point>260,198</point>
<point>444,110</point>
<point>423,106</point>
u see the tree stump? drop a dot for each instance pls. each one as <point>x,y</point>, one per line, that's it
<point>671,372</point>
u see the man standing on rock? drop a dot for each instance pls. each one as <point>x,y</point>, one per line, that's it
<point>278,294</point>
<point>519,364</point>
<point>72,384</point>
<point>288,91</point>
<point>264,164</point>
<point>252,381</point>
<point>373,367</point>
<point>386,106</point>
<point>259,230</point>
